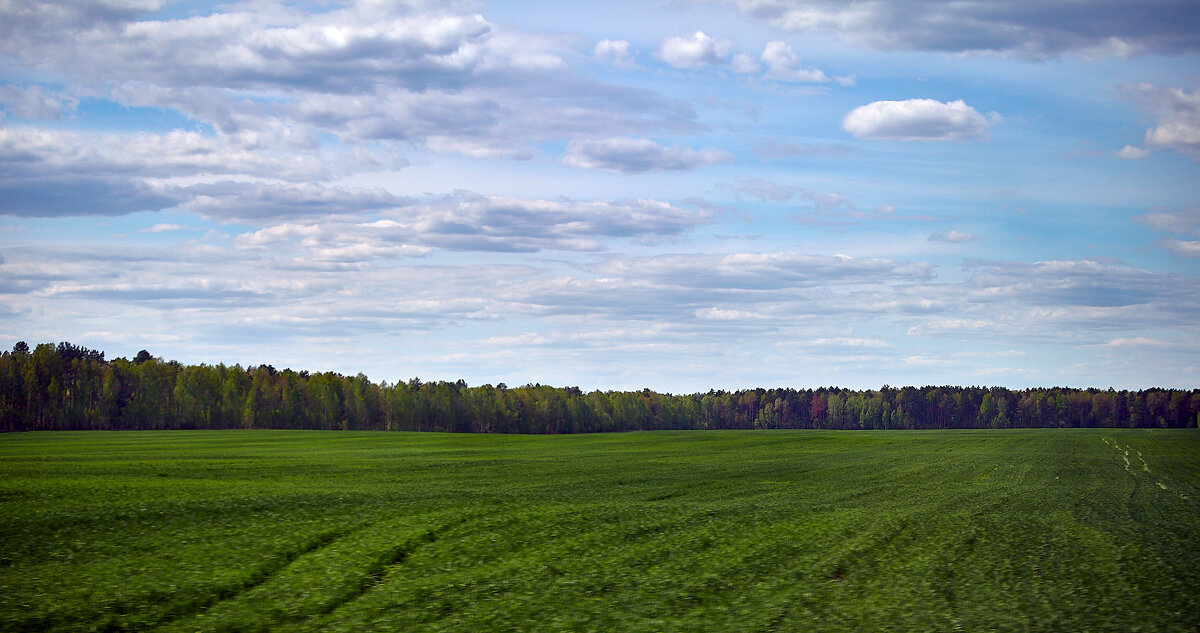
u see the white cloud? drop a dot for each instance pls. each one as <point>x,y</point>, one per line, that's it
<point>1181,222</point>
<point>719,314</point>
<point>635,155</point>
<point>1136,341</point>
<point>1085,283</point>
<point>484,123</point>
<point>1178,124</point>
<point>371,72</point>
<point>783,64</point>
<point>615,52</point>
<point>953,236</point>
<point>917,120</point>
<point>33,152</point>
<point>1186,248</point>
<point>285,111</point>
<point>334,50</point>
<point>347,279</point>
<point>471,221</point>
<point>36,102</point>
<point>467,221</point>
<point>1130,152</point>
<point>164,227</point>
<point>258,201</point>
<point>693,51</point>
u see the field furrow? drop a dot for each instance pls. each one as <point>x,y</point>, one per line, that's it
<point>1039,530</point>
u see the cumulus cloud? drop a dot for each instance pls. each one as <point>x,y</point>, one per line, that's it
<point>415,74</point>
<point>693,51</point>
<point>783,64</point>
<point>636,155</point>
<point>333,51</point>
<point>1178,118</point>
<point>953,236</point>
<point>1020,28</point>
<point>615,52</point>
<point>917,120</point>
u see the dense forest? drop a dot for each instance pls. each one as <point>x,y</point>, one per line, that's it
<point>64,386</point>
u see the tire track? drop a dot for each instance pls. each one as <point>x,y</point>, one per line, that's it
<point>1123,453</point>
<point>386,566</point>
<point>256,578</point>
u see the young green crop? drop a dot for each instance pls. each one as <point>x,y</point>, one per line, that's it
<point>1036,530</point>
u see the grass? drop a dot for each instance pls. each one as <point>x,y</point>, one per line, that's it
<point>1038,530</point>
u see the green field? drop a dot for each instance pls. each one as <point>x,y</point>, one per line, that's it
<point>1037,530</point>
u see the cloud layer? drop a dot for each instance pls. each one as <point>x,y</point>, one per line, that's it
<point>1023,28</point>
<point>452,189</point>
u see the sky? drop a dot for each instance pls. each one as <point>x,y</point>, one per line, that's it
<point>682,195</point>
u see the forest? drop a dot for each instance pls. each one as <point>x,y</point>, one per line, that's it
<point>68,387</point>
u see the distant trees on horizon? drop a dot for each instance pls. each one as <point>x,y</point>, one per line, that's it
<point>67,387</point>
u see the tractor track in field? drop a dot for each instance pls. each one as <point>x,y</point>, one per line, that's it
<point>259,577</point>
<point>386,567</point>
<point>1123,453</point>
<point>375,575</point>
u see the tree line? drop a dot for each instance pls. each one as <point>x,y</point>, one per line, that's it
<point>65,387</point>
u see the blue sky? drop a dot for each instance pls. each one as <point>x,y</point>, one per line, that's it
<point>680,195</point>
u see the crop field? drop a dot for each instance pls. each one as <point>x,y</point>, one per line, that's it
<point>1023,530</point>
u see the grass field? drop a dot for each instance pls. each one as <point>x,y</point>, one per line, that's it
<point>1039,530</point>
